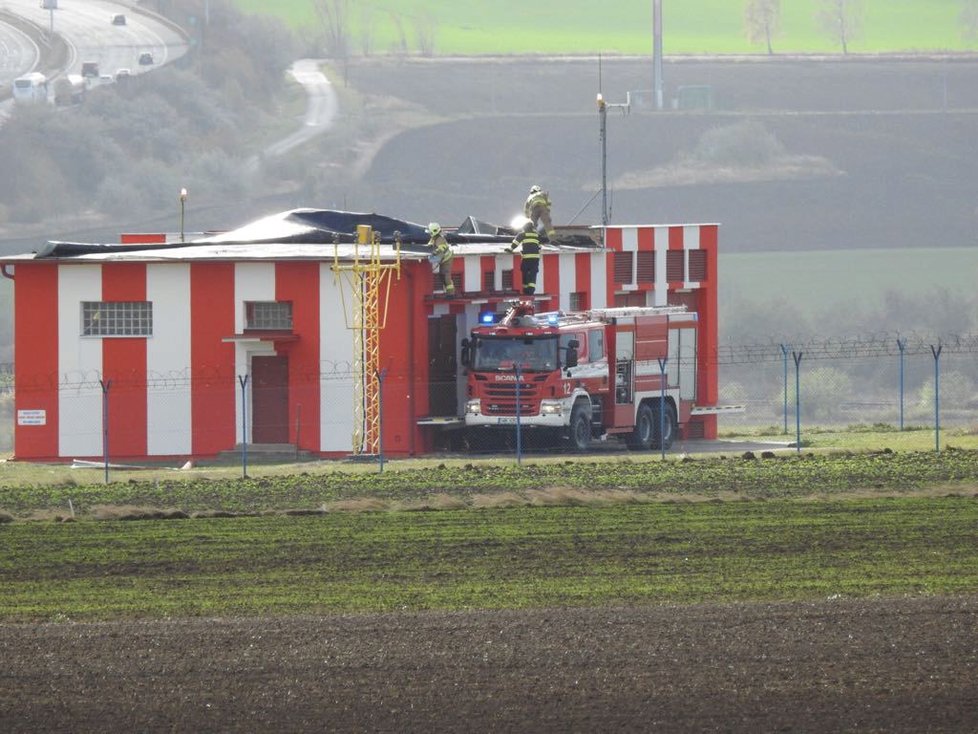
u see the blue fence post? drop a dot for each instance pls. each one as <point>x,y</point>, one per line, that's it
<point>105,385</point>
<point>519,433</point>
<point>784,359</point>
<point>937,395</point>
<point>243,380</point>
<point>901,345</point>
<point>381,374</point>
<point>797,357</point>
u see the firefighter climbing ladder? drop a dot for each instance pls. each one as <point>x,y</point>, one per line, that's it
<point>368,280</point>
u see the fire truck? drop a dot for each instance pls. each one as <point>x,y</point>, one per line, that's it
<point>574,377</point>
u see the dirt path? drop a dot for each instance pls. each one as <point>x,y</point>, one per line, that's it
<point>883,665</point>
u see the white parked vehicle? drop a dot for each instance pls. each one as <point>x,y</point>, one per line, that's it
<point>31,87</point>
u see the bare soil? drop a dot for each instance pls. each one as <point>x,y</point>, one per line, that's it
<point>895,665</point>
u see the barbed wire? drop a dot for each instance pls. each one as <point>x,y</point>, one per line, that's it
<point>865,347</point>
<point>851,348</point>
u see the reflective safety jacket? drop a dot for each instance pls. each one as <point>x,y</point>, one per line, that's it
<point>534,201</point>
<point>529,242</point>
<point>440,248</point>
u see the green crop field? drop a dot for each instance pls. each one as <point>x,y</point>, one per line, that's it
<point>494,535</point>
<point>581,26</point>
<point>490,559</point>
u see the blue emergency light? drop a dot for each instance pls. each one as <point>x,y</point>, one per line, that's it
<point>487,317</point>
<point>552,319</point>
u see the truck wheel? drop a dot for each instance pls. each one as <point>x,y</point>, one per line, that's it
<point>579,430</point>
<point>668,423</point>
<point>641,438</point>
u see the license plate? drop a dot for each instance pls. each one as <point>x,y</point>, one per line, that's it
<point>506,420</point>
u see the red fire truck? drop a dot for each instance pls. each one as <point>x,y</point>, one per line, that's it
<point>628,372</point>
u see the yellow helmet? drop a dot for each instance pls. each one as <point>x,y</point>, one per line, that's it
<point>535,189</point>
<point>434,228</point>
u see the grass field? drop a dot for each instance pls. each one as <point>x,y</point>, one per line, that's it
<point>811,281</point>
<point>579,26</point>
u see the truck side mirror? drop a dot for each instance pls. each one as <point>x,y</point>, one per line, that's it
<point>570,359</point>
<point>466,356</point>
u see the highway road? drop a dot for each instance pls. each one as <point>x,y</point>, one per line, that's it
<point>18,54</point>
<point>86,25</point>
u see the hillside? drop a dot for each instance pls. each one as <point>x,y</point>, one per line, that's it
<point>794,154</point>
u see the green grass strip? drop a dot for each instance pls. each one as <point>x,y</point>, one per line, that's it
<point>788,476</point>
<point>514,558</point>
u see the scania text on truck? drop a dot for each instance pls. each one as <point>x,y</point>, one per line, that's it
<point>578,376</point>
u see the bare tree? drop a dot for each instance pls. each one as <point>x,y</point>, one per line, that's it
<point>969,19</point>
<point>425,26</point>
<point>334,18</point>
<point>400,45</point>
<point>762,19</point>
<point>366,31</point>
<point>840,20</point>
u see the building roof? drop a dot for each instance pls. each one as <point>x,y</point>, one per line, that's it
<point>299,234</point>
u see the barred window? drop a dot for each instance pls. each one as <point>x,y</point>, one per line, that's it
<point>117,318</point>
<point>577,301</point>
<point>268,315</point>
<point>646,266</point>
<point>675,266</point>
<point>623,267</point>
<point>697,265</point>
<point>507,280</point>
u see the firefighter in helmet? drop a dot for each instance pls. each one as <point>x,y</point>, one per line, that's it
<point>537,210</point>
<point>441,257</point>
<point>528,242</point>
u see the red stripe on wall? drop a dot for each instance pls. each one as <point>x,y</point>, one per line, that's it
<point>298,282</point>
<point>612,239</point>
<point>551,282</point>
<point>708,389</point>
<point>124,363</point>
<point>36,366</point>
<point>404,356</point>
<point>213,382</point>
<point>676,238</point>
<point>646,239</point>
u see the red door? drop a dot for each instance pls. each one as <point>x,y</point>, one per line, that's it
<point>270,399</point>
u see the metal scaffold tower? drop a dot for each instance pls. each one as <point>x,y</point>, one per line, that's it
<point>368,280</point>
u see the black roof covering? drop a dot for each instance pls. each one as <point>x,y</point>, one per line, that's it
<point>310,226</point>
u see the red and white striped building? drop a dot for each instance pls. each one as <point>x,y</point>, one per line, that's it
<point>160,340</point>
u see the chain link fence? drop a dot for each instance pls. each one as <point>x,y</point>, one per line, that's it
<point>896,380</point>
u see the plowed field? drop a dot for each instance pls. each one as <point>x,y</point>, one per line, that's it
<point>906,665</point>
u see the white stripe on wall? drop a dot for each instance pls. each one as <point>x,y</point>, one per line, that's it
<point>661,241</point>
<point>79,364</point>
<point>691,241</point>
<point>567,272</point>
<point>599,279</point>
<point>503,262</point>
<point>472,274</point>
<point>168,414</point>
<point>336,360</point>
<point>252,282</point>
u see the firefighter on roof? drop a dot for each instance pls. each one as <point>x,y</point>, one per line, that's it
<point>441,257</point>
<point>529,242</point>
<point>537,210</point>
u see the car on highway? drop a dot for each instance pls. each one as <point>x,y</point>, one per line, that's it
<point>122,74</point>
<point>118,19</point>
<point>146,59</point>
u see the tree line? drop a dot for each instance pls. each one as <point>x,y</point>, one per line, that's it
<point>840,20</point>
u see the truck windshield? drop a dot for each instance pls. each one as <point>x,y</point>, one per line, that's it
<point>534,355</point>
